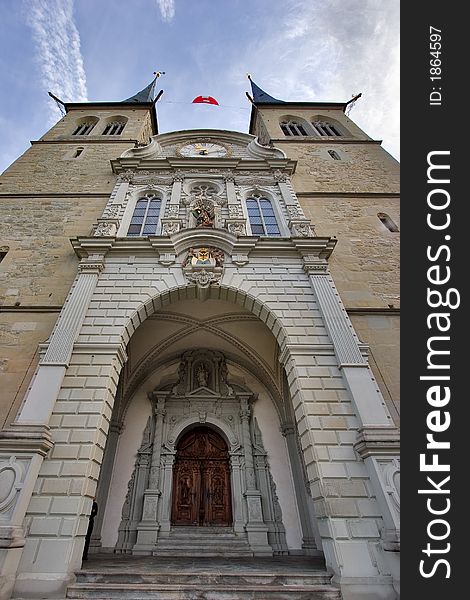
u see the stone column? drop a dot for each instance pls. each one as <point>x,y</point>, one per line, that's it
<point>24,444</point>
<point>307,519</point>
<point>171,223</point>
<point>236,223</point>
<point>377,441</point>
<point>256,528</point>
<point>237,493</point>
<point>147,530</point>
<point>106,472</point>
<point>164,515</point>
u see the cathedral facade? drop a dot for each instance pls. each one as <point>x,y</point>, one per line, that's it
<point>200,333</point>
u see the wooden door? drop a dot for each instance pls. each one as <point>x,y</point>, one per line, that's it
<point>201,481</point>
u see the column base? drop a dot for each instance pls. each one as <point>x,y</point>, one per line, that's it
<point>366,588</point>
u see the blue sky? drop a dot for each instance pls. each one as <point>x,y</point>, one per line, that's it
<point>106,50</point>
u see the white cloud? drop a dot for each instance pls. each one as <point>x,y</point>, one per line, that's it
<point>330,51</point>
<point>167,9</point>
<point>58,51</point>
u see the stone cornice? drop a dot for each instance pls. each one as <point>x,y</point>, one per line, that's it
<point>320,247</point>
<point>210,166</point>
<point>80,140</point>
<point>26,438</point>
<point>377,441</point>
<point>324,140</point>
<point>341,194</point>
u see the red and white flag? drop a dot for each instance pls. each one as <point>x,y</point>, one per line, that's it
<point>205,100</point>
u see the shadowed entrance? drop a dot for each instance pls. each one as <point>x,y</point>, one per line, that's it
<point>201,485</point>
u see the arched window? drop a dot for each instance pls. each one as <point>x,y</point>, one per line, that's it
<point>145,218</point>
<point>388,222</point>
<point>324,128</point>
<point>84,128</point>
<point>261,216</point>
<point>293,128</point>
<point>114,128</point>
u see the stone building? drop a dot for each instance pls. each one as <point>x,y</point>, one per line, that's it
<point>200,329</point>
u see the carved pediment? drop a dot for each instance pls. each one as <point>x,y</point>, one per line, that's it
<point>202,373</point>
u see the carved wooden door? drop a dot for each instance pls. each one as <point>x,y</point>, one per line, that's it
<point>201,481</point>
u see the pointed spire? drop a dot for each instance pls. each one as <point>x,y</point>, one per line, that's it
<point>260,96</point>
<point>147,94</point>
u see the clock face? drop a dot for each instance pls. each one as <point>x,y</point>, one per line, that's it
<point>197,149</point>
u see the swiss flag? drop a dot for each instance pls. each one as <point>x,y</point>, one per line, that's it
<point>205,100</point>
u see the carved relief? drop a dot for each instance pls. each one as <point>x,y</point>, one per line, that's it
<point>203,266</point>
<point>106,229</point>
<point>203,212</point>
<point>237,228</point>
<point>11,475</point>
<point>170,227</point>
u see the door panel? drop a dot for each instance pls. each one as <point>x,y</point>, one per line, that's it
<point>186,493</point>
<point>216,483</point>
<point>201,482</point>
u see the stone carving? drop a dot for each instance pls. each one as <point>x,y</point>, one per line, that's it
<point>301,228</point>
<point>240,259</point>
<point>280,176</point>
<point>127,175</point>
<point>202,375</point>
<point>167,259</point>
<point>295,212</point>
<point>11,474</point>
<point>203,212</point>
<point>170,227</point>
<point>105,229</point>
<point>391,474</point>
<point>112,211</point>
<point>205,257</point>
<point>235,211</point>
<point>173,210</point>
<point>237,228</point>
<point>204,279</point>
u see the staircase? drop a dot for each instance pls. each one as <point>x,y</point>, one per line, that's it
<point>110,577</point>
<point>203,541</point>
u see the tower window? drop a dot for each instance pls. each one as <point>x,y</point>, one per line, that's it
<point>3,252</point>
<point>261,216</point>
<point>324,128</point>
<point>145,218</point>
<point>114,128</point>
<point>293,128</point>
<point>78,152</point>
<point>334,155</point>
<point>83,128</point>
<point>388,222</point>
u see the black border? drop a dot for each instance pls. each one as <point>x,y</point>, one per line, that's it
<point>424,129</point>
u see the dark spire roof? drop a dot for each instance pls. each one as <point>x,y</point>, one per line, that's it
<point>261,97</point>
<point>145,95</point>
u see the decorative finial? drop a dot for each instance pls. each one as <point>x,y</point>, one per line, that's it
<point>158,73</point>
<point>249,76</point>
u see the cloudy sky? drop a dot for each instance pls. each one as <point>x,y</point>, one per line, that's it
<point>106,50</point>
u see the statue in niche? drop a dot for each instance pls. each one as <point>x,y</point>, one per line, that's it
<point>203,212</point>
<point>202,376</point>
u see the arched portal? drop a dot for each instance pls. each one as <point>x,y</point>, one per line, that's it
<point>201,480</point>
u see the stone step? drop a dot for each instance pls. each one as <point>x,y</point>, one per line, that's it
<point>203,541</point>
<point>206,578</point>
<point>178,591</point>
